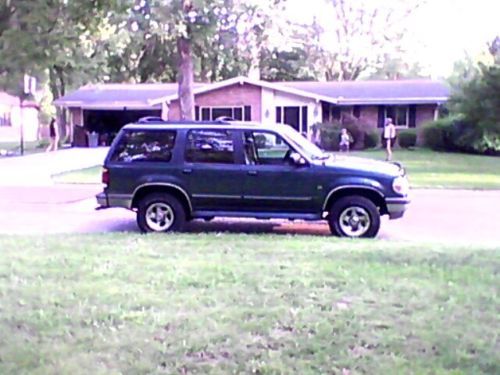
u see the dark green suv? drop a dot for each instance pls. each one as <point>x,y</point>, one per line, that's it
<point>173,172</point>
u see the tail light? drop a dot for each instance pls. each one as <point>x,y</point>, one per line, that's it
<point>105,176</point>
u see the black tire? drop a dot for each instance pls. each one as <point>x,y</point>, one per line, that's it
<point>160,213</point>
<point>354,216</point>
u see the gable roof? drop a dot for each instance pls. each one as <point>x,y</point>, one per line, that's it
<point>246,80</point>
<point>417,91</point>
<point>152,95</point>
<point>117,95</point>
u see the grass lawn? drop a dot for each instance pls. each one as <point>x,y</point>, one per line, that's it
<point>29,147</point>
<point>90,175</point>
<point>430,169</point>
<point>426,169</point>
<point>222,303</point>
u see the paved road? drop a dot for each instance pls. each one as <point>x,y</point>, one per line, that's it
<point>435,215</point>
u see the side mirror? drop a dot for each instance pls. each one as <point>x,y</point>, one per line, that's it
<point>297,159</point>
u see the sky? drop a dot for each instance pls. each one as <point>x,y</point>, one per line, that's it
<point>442,31</point>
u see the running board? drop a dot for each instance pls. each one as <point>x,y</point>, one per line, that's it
<point>256,215</point>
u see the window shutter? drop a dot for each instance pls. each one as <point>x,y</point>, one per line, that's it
<point>278,115</point>
<point>247,113</point>
<point>197,113</point>
<point>356,111</point>
<point>413,116</point>
<point>304,118</point>
<point>381,116</point>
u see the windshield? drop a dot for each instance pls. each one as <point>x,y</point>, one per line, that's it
<point>303,145</point>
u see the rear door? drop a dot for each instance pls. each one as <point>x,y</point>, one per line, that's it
<point>214,179</point>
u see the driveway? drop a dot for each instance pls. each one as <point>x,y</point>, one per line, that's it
<point>435,215</point>
<point>37,169</point>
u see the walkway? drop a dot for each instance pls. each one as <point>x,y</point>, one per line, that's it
<point>37,169</point>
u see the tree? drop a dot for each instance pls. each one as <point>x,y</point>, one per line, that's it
<point>362,35</point>
<point>279,65</point>
<point>53,40</point>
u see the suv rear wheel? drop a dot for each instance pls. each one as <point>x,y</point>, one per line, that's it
<point>160,213</point>
<point>354,216</point>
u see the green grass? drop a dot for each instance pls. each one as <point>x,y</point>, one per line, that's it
<point>90,175</point>
<point>430,169</point>
<point>29,147</point>
<point>222,303</point>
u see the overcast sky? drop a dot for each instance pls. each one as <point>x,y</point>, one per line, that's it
<point>443,30</point>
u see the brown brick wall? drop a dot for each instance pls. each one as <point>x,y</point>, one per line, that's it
<point>234,95</point>
<point>76,116</point>
<point>425,114</point>
<point>369,115</point>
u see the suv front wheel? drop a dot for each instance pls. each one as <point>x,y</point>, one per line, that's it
<point>160,213</point>
<point>354,216</point>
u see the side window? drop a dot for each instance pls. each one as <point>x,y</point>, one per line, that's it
<point>210,146</point>
<point>140,146</point>
<point>266,148</point>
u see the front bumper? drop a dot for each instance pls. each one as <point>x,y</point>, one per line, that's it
<point>396,207</point>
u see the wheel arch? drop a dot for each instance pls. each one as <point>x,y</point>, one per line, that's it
<point>364,191</point>
<point>174,190</point>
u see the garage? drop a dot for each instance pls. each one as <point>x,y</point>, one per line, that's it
<point>98,111</point>
<point>105,124</point>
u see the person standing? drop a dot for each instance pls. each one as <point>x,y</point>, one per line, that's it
<point>54,136</point>
<point>389,136</point>
<point>345,140</point>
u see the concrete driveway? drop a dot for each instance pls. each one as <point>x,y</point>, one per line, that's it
<point>37,169</point>
<point>435,215</point>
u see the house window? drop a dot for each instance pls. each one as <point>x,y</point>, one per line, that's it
<point>5,119</point>
<point>294,116</point>
<point>240,113</point>
<point>356,111</point>
<point>399,115</point>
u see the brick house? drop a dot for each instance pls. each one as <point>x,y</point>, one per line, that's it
<point>411,103</point>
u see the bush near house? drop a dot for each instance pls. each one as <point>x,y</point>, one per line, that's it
<point>407,138</point>
<point>474,126</point>
<point>330,132</point>
<point>371,139</point>
<point>456,134</point>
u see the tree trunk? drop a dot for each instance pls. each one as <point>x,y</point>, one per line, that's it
<point>186,97</point>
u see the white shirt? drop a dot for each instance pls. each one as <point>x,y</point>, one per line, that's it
<point>390,131</point>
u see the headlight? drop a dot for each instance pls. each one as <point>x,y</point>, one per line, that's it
<point>400,185</point>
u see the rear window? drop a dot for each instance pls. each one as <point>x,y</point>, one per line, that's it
<point>139,146</point>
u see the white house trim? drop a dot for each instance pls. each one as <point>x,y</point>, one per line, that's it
<point>242,80</point>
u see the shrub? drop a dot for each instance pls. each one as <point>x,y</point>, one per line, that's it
<point>371,139</point>
<point>330,132</point>
<point>407,138</point>
<point>438,134</point>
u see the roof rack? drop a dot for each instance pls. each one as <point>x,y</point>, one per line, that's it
<point>159,121</point>
<point>146,119</point>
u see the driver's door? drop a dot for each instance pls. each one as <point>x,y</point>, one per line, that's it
<point>273,183</point>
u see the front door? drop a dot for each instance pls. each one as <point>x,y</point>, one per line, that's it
<point>273,183</point>
<point>215,181</point>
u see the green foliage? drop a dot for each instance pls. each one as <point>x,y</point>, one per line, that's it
<point>476,102</point>
<point>372,138</point>
<point>407,138</point>
<point>438,134</point>
<point>330,132</point>
<point>232,303</point>
<point>279,65</point>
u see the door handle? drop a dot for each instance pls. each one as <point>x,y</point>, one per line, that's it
<point>252,173</point>
<point>187,170</point>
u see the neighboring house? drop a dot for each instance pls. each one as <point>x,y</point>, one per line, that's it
<point>11,115</point>
<point>105,108</point>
